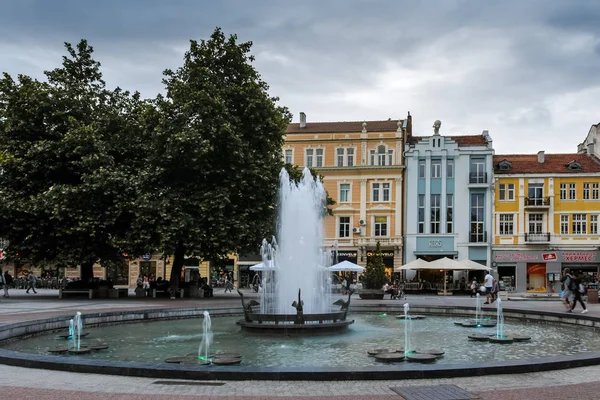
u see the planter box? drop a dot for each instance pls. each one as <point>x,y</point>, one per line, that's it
<point>371,294</point>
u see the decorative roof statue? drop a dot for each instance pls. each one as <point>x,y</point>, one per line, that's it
<point>436,127</point>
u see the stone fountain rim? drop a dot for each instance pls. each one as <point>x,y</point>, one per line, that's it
<point>243,372</point>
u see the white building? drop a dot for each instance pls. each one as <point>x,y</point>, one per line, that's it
<point>448,199</point>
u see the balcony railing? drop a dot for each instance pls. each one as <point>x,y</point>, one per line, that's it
<point>480,237</point>
<point>478,177</point>
<point>537,237</point>
<point>537,201</point>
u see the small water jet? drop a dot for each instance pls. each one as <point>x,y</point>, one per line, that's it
<point>479,321</point>
<point>75,329</point>
<point>207,335</point>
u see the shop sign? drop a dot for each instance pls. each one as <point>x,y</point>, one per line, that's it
<point>516,257</point>
<point>549,256</point>
<point>569,256</point>
<point>347,254</point>
<point>385,253</point>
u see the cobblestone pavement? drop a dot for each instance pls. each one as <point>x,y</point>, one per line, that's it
<point>23,383</point>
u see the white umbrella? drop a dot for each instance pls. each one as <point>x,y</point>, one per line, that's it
<point>346,266</point>
<point>419,263</point>
<point>261,267</point>
<point>473,265</point>
<point>446,263</point>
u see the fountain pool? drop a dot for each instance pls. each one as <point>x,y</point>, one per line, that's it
<point>152,342</point>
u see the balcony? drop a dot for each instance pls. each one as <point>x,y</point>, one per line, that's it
<point>383,241</point>
<point>537,202</point>
<point>537,237</point>
<point>478,178</point>
<point>478,237</point>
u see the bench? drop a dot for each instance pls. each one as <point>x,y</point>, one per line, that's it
<point>63,292</point>
<point>117,293</point>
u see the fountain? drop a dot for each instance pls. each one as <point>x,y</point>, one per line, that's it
<point>479,321</point>
<point>204,348</point>
<point>295,274</point>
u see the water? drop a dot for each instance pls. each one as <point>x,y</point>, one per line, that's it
<point>477,308</point>
<point>75,330</point>
<point>153,342</point>
<point>499,319</point>
<point>296,260</point>
<point>407,326</point>
<point>207,338</point>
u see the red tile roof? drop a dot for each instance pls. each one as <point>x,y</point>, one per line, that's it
<point>464,140</point>
<point>553,163</point>
<point>344,126</point>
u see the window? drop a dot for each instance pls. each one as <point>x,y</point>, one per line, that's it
<point>386,191</point>
<point>289,159</point>
<point>381,155</point>
<point>450,169</point>
<point>574,165</point>
<point>435,213</point>
<point>535,223</point>
<point>449,207</point>
<point>375,192</point>
<point>372,156</point>
<point>535,192</point>
<point>344,227</point>
<point>504,165</point>
<point>319,157</point>
<point>340,157</point>
<point>572,191</point>
<point>502,191</point>
<point>477,218</point>
<point>511,191</point>
<point>421,223</point>
<point>563,191</point>
<point>579,224</point>
<point>477,171</point>
<point>380,226</point>
<point>506,224</point>
<point>350,157</point>
<point>309,158</point>
<point>564,224</point>
<point>590,191</point>
<point>594,224</point>
<point>344,193</point>
<point>436,168</point>
<point>390,157</point>
<point>421,168</point>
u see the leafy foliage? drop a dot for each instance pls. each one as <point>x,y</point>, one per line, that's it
<point>68,163</point>
<point>375,277</point>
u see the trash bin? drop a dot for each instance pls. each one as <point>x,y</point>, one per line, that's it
<point>592,296</point>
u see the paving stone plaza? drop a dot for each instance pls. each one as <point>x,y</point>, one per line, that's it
<point>26,383</point>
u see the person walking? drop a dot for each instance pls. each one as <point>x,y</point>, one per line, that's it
<point>495,290</point>
<point>2,283</point>
<point>488,282</point>
<point>565,284</point>
<point>473,289</point>
<point>578,290</point>
<point>32,280</point>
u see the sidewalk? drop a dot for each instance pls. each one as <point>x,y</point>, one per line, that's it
<point>22,383</point>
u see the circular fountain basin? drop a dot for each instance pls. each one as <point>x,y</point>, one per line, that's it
<point>140,349</point>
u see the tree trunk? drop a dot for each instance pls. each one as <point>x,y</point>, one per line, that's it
<point>87,272</point>
<point>177,266</point>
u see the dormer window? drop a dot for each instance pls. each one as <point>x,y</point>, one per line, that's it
<point>504,165</point>
<point>574,166</point>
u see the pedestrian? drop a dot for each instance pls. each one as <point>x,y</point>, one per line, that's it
<point>495,290</point>
<point>565,284</point>
<point>2,283</point>
<point>578,290</point>
<point>31,283</point>
<point>473,289</point>
<point>488,282</point>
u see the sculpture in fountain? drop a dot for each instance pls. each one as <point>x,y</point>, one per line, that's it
<point>293,263</point>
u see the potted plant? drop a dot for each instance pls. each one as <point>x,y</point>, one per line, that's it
<point>374,277</point>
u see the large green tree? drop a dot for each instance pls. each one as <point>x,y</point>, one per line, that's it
<point>215,158</point>
<point>68,163</point>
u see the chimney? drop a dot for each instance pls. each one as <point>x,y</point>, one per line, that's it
<point>302,120</point>
<point>541,157</point>
<point>409,124</point>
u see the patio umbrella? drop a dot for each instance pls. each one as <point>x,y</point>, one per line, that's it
<point>447,264</point>
<point>419,263</point>
<point>473,266</point>
<point>261,267</point>
<point>346,266</point>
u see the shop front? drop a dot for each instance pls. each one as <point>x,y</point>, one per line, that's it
<point>388,260</point>
<point>540,271</point>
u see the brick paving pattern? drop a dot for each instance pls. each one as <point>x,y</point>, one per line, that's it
<point>435,392</point>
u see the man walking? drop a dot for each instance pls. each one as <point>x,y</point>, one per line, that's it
<point>578,290</point>
<point>488,282</point>
<point>8,281</point>
<point>32,280</point>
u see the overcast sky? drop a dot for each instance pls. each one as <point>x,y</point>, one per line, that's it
<point>527,71</point>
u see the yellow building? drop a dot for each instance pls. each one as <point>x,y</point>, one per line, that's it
<point>546,210</point>
<point>363,166</point>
